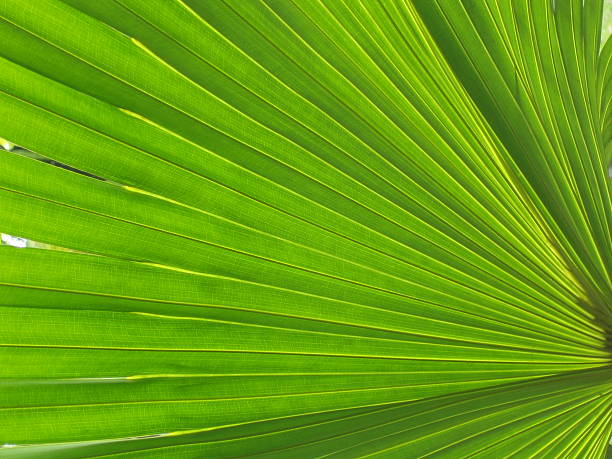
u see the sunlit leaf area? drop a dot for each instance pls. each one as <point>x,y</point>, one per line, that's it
<point>305,229</point>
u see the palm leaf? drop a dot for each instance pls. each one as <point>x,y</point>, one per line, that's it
<point>305,228</point>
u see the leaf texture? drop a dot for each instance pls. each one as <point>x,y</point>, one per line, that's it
<point>324,229</point>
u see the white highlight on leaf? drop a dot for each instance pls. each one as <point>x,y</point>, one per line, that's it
<point>14,241</point>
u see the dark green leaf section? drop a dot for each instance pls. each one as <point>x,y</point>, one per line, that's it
<point>330,229</point>
<point>483,422</point>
